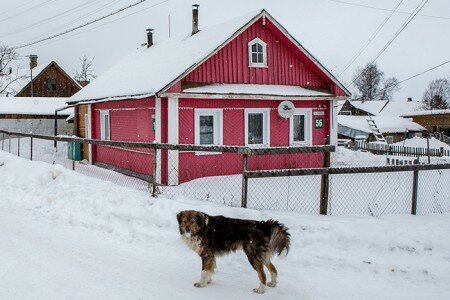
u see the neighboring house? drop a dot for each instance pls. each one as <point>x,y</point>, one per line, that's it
<point>46,80</point>
<point>433,120</point>
<point>218,86</point>
<point>36,115</point>
<point>354,116</point>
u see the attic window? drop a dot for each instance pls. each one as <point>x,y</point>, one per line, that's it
<point>51,84</point>
<point>257,54</point>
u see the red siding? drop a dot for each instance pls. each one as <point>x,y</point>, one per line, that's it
<point>287,65</point>
<point>193,166</point>
<point>131,120</point>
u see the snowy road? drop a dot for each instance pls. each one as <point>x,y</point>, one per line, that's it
<point>67,236</point>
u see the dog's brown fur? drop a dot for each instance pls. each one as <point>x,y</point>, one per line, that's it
<point>212,236</point>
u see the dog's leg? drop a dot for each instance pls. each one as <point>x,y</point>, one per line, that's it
<point>273,274</point>
<point>259,267</point>
<point>208,262</point>
<point>214,266</point>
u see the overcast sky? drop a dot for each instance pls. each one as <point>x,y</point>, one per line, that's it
<point>333,31</point>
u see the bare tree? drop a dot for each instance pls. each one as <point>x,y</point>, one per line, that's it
<point>437,95</point>
<point>372,85</point>
<point>86,72</point>
<point>8,74</point>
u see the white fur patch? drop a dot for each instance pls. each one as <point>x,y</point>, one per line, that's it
<point>192,242</point>
<point>283,253</point>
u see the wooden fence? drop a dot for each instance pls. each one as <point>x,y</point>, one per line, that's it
<point>379,148</point>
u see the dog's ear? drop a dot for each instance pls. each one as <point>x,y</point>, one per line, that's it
<point>203,219</point>
<point>179,217</point>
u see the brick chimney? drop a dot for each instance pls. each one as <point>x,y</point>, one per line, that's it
<point>149,37</point>
<point>33,61</point>
<point>195,18</point>
<point>409,99</point>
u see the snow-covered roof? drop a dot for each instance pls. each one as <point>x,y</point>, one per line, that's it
<point>372,107</point>
<point>386,124</point>
<point>386,107</point>
<point>150,70</point>
<point>398,108</point>
<point>422,143</point>
<point>426,112</point>
<point>252,89</point>
<point>33,106</point>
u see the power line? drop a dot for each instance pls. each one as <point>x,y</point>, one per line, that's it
<point>27,10</point>
<point>85,16</point>
<point>106,23</point>
<point>17,7</point>
<point>386,9</point>
<point>404,25</point>
<point>364,47</point>
<point>50,19</point>
<point>414,76</point>
<point>86,24</point>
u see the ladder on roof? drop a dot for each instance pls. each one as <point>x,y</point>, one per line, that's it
<point>375,130</point>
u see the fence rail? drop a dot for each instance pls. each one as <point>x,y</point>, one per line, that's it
<point>320,189</point>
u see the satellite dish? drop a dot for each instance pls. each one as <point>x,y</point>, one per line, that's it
<point>286,109</point>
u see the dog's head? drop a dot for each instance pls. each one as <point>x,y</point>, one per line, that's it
<point>192,222</point>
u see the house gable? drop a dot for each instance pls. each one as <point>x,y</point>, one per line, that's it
<point>287,62</point>
<point>66,86</point>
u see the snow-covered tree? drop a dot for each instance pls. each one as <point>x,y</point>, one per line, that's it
<point>8,73</point>
<point>372,85</point>
<point>437,95</point>
<point>86,72</point>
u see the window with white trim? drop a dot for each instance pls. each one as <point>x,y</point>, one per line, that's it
<point>300,127</point>
<point>105,125</point>
<point>257,54</point>
<point>257,127</point>
<point>208,126</point>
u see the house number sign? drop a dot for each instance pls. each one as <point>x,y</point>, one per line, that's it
<point>318,122</point>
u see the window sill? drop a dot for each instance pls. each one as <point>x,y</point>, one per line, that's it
<point>300,144</point>
<point>258,66</point>
<point>200,153</point>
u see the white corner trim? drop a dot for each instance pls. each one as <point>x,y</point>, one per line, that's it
<point>172,138</point>
<point>89,131</point>
<point>266,126</point>
<point>158,138</point>
<point>333,123</point>
<point>307,112</point>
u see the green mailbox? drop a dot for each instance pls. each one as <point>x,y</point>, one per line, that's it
<point>74,154</point>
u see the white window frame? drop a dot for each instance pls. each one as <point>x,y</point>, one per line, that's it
<point>307,112</point>
<point>217,114</point>
<point>103,136</point>
<point>264,47</point>
<point>266,126</point>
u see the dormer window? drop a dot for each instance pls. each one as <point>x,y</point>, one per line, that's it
<point>257,54</point>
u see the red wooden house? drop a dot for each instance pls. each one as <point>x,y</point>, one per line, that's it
<point>220,85</point>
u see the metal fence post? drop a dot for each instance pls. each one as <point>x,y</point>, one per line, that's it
<point>414,192</point>
<point>18,145</point>
<point>155,167</point>
<point>73,155</point>
<point>31,148</point>
<point>244,181</point>
<point>9,143</point>
<point>325,181</point>
<point>3,140</point>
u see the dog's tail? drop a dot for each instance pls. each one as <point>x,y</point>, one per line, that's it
<point>280,240</point>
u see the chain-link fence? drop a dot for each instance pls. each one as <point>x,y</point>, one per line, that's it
<point>302,179</point>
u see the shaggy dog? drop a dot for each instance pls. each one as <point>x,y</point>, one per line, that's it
<point>212,236</point>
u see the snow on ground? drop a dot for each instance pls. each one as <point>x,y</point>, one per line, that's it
<point>68,236</point>
<point>422,143</point>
